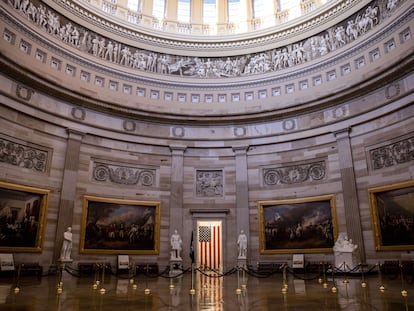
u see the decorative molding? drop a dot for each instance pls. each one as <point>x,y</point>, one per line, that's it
<point>209,183</point>
<point>240,131</point>
<point>294,174</point>
<point>23,155</point>
<point>178,131</point>
<point>23,92</point>
<point>393,154</point>
<point>129,125</point>
<point>78,113</point>
<point>392,90</point>
<point>125,175</point>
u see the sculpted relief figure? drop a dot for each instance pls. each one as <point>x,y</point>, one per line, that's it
<point>249,64</point>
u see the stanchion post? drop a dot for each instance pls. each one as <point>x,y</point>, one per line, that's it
<point>17,288</point>
<point>285,285</point>
<point>59,286</point>
<point>147,291</point>
<point>192,290</point>
<point>381,287</point>
<point>96,276</point>
<point>404,292</point>
<point>238,290</point>
<point>363,283</point>
<point>334,289</point>
<point>244,285</point>
<point>103,290</point>
<point>325,283</point>
<point>345,281</point>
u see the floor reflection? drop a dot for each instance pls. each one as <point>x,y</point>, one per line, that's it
<point>211,293</point>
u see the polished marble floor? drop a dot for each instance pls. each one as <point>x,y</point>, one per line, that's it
<point>235,291</point>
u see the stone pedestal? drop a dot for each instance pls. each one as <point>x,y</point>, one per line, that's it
<point>242,262</point>
<point>345,261</point>
<point>176,266</point>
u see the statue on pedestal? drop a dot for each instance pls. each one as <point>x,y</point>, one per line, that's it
<point>176,246</point>
<point>66,245</point>
<point>345,252</point>
<point>242,244</point>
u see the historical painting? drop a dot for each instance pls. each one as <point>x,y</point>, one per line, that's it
<point>22,217</point>
<point>392,210</point>
<point>305,225</point>
<point>117,226</point>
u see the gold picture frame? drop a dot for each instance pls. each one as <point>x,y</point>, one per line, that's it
<point>119,226</point>
<point>22,217</point>
<point>392,211</point>
<point>302,225</point>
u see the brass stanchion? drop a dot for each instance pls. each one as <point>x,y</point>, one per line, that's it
<point>345,281</point>
<point>320,280</point>
<point>192,290</point>
<point>285,285</point>
<point>147,291</point>
<point>325,283</point>
<point>103,290</point>
<point>404,292</point>
<point>59,286</point>
<point>16,287</point>
<point>381,287</point>
<point>171,283</point>
<point>96,277</point>
<point>363,283</point>
<point>334,289</point>
<point>238,290</point>
<point>244,285</point>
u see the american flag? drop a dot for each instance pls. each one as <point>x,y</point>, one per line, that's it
<point>209,246</point>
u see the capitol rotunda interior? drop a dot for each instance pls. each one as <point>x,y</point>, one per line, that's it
<point>206,155</point>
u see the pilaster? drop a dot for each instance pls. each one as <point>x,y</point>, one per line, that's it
<point>242,193</point>
<point>177,182</point>
<point>350,195</point>
<point>69,182</point>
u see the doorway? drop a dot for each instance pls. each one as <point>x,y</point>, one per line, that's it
<point>209,245</point>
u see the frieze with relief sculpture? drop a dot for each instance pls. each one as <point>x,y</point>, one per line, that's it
<point>203,67</point>
<point>294,174</point>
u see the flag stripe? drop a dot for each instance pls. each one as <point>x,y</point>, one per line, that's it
<point>209,247</point>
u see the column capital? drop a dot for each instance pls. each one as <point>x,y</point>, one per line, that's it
<point>343,133</point>
<point>239,150</point>
<point>74,134</point>
<point>177,149</point>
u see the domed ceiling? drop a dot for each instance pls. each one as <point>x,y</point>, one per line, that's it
<point>267,72</point>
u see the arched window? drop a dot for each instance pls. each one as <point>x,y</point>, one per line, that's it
<point>259,8</point>
<point>234,11</point>
<point>135,5</point>
<point>158,9</point>
<point>184,11</point>
<point>209,11</point>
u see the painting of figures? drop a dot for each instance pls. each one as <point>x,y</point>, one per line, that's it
<point>115,226</point>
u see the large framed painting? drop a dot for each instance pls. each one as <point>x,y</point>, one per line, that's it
<point>22,217</point>
<point>392,210</point>
<point>303,225</point>
<point>118,226</point>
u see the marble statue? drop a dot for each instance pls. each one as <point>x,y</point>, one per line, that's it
<point>66,245</point>
<point>176,245</point>
<point>343,244</point>
<point>242,244</point>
